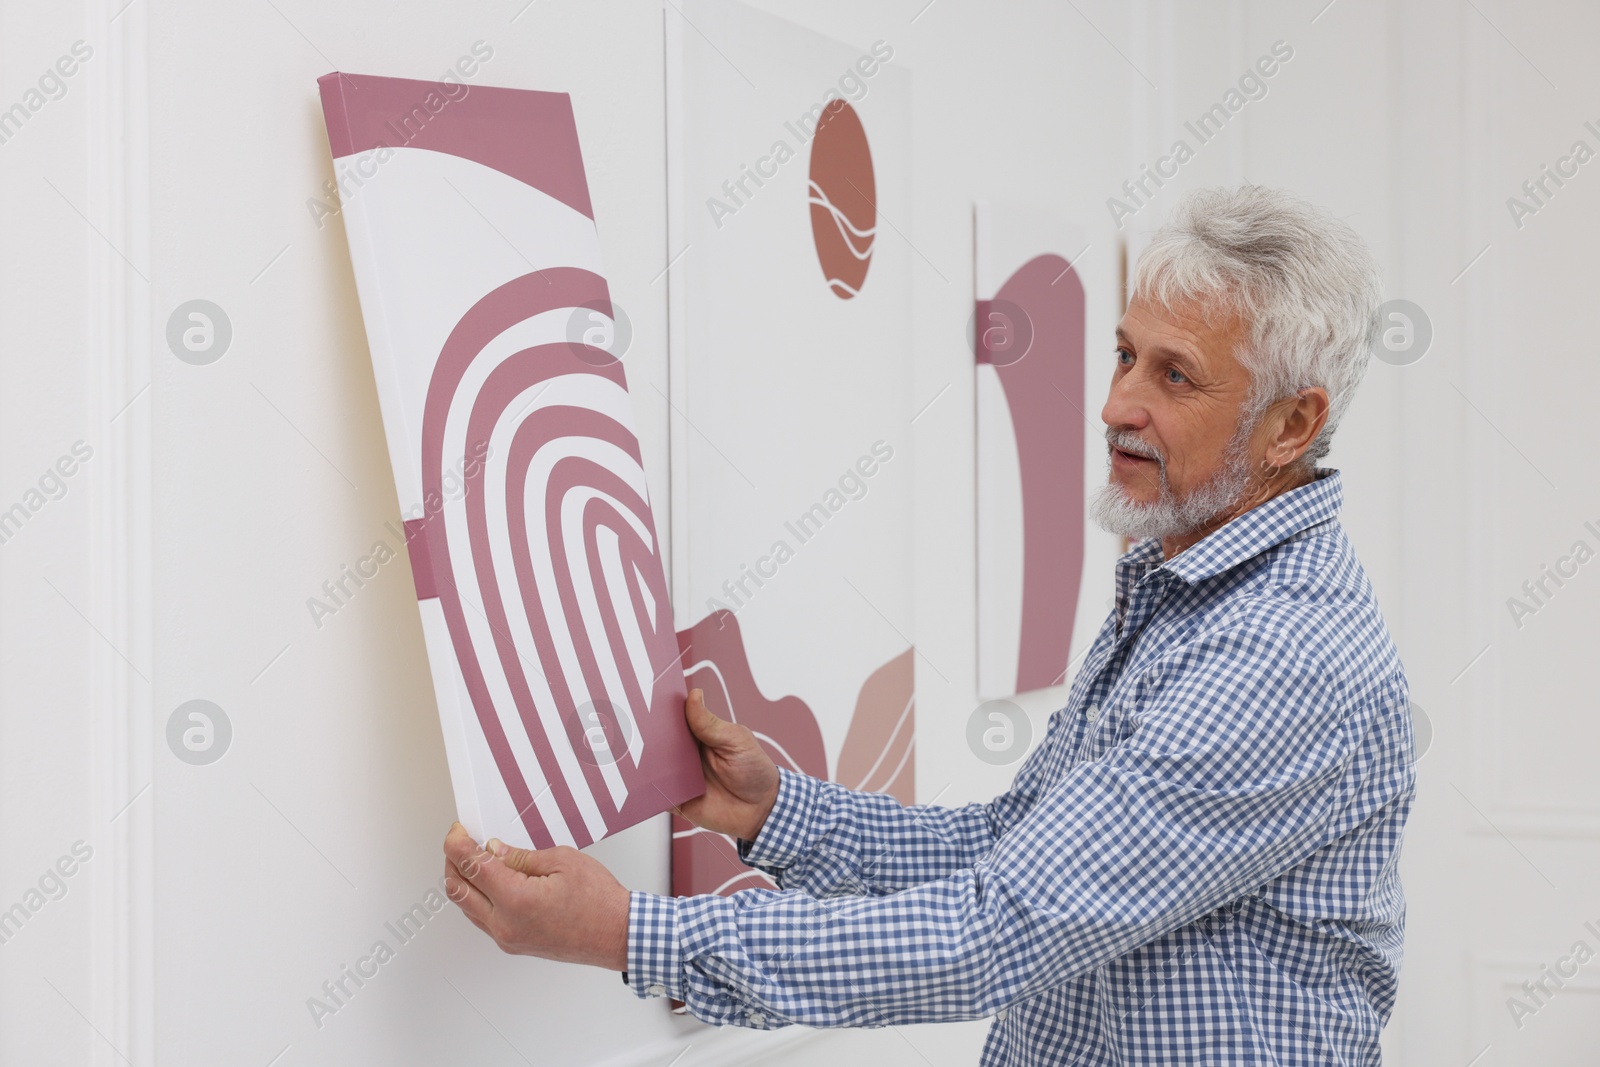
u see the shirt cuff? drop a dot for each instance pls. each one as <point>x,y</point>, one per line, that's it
<point>655,957</point>
<point>784,837</point>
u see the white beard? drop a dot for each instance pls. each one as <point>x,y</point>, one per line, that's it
<point>1115,510</point>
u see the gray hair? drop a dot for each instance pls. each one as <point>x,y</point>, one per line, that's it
<point>1303,281</point>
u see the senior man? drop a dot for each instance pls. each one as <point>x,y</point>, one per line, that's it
<point>1198,864</point>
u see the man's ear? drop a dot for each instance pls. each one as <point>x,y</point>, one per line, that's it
<point>1303,417</point>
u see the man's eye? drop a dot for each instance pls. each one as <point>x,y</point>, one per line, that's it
<point>1123,352</point>
<point>1179,373</point>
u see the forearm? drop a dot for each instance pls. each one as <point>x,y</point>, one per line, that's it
<point>764,959</point>
<point>828,840</point>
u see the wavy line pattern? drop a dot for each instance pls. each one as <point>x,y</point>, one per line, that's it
<point>859,241</point>
<point>715,661</point>
<point>840,192</point>
<point>547,567</point>
<point>878,752</point>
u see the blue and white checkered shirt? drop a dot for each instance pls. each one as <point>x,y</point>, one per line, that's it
<point>1197,865</point>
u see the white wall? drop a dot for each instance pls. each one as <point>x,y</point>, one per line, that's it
<point>222,897</point>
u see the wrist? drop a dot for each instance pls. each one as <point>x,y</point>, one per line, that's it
<point>792,827</point>
<point>766,812</point>
<point>614,951</point>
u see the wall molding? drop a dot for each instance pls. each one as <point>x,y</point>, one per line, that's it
<point>118,334</point>
<point>1493,980</point>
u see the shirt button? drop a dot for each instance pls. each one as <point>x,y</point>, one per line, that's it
<point>655,989</point>
<point>1001,1014</point>
<point>1092,713</point>
<point>755,1018</point>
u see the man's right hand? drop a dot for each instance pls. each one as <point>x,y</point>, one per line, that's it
<point>741,779</point>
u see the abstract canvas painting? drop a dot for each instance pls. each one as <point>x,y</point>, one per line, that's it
<point>792,383</point>
<point>510,430</point>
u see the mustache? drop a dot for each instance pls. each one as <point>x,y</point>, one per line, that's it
<point>1127,442</point>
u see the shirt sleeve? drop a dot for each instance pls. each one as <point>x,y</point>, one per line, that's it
<point>1227,778</point>
<point>827,840</point>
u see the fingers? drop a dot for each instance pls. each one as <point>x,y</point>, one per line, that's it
<point>462,851</point>
<point>480,870</point>
<point>524,860</point>
<point>473,904</point>
<point>460,857</point>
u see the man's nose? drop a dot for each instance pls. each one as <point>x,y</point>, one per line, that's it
<point>1124,409</point>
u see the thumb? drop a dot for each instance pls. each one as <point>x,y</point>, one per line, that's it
<point>522,860</point>
<point>703,722</point>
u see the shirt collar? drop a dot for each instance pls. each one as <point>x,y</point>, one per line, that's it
<point>1244,536</point>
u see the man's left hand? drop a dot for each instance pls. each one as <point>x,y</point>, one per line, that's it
<point>557,903</point>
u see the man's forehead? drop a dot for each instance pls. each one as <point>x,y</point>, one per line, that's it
<point>1188,329</point>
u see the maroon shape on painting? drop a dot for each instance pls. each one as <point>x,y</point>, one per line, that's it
<point>843,198</point>
<point>1044,391</point>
